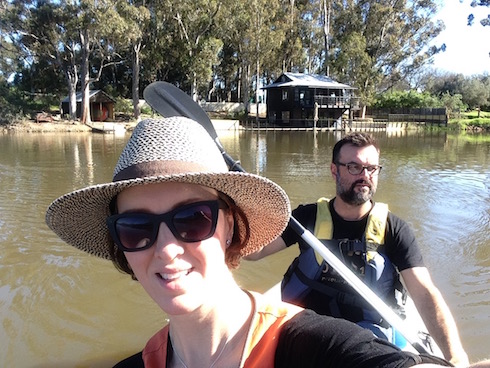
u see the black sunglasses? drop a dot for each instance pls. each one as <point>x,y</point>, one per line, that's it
<point>190,223</point>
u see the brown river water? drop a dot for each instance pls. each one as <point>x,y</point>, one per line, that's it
<point>62,308</point>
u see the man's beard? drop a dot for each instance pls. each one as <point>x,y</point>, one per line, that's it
<point>353,197</point>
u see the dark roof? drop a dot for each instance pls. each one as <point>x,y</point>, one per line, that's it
<point>307,80</point>
<point>92,94</point>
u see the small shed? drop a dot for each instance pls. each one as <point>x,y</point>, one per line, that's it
<point>297,99</point>
<point>101,105</point>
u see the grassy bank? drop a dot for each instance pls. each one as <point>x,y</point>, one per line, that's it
<point>471,121</point>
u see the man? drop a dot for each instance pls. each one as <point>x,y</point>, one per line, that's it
<point>377,245</point>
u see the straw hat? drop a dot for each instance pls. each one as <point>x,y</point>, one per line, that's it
<point>173,149</point>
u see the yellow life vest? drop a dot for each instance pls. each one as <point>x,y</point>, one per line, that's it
<point>374,233</point>
<point>308,269</point>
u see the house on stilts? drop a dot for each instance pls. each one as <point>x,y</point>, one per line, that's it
<point>298,100</point>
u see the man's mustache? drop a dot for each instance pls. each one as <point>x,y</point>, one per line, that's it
<point>362,182</point>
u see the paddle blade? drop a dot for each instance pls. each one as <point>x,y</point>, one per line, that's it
<point>168,100</point>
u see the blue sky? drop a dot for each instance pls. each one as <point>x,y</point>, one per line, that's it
<point>467,48</point>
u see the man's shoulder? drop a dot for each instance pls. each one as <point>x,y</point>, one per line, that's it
<point>396,221</point>
<point>306,207</point>
<point>304,213</point>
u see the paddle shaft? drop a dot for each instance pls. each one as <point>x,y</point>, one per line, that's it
<point>169,100</point>
<point>360,287</point>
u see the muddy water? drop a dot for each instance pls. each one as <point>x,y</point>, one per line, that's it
<point>62,308</point>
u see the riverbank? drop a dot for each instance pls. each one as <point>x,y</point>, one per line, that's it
<point>58,126</point>
<point>67,126</point>
<point>61,126</point>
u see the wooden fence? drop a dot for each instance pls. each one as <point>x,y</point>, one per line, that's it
<point>436,116</point>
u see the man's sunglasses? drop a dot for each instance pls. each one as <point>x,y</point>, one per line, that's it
<point>190,223</point>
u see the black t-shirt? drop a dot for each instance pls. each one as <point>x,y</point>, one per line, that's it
<point>310,340</point>
<point>400,247</point>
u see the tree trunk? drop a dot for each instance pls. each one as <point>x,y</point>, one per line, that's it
<point>257,67</point>
<point>194,95</point>
<point>71,79</point>
<point>246,87</point>
<point>326,12</point>
<point>85,77</point>
<point>257,90</point>
<point>239,84</point>
<point>136,81</point>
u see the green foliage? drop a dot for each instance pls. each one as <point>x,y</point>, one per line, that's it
<point>470,124</point>
<point>406,99</point>
<point>220,46</point>
<point>474,91</point>
<point>476,114</point>
<point>10,109</point>
<point>478,122</point>
<point>380,43</point>
<point>453,103</point>
<point>123,105</point>
<point>146,109</point>
<point>16,104</point>
<point>413,99</point>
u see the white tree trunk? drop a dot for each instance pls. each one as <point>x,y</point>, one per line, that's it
<point>136,81</point>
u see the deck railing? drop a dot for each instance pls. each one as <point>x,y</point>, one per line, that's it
<point>337,101</point>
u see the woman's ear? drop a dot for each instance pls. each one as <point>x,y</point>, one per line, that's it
<point>230,226</point>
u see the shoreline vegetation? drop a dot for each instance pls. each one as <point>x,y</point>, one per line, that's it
<point>477,125</point>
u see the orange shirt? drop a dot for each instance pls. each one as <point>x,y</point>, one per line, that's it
<point>261,343</point>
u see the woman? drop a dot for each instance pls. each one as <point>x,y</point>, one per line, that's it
<point>177,220</point>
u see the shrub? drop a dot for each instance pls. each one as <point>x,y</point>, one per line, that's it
<point>123,105</point>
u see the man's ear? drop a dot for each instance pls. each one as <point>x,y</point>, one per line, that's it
<point>334,170</point>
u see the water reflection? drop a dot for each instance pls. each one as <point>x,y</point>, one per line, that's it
<point>62,308</point>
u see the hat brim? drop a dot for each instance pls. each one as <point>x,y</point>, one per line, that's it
<point>79,217</point>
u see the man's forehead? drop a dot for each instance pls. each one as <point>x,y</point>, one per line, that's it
<point>355,151</point>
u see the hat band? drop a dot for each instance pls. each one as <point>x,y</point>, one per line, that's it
<point>159,168</point>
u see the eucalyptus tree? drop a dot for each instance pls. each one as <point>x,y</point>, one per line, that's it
<point>234,23</point>
<point>137,18</point>
<point>185,41</point>
<point>381,42</point>
<point>9,53</point>
<point>292,20</point>
<point>102,33</point>
<point>438,84</point>
<point>255,33</point>
<point>476,92</point>
<point>308,50</point>
<point>44,30</point>
<point>79,37</point>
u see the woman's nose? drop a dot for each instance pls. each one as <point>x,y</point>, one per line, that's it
<point>167,245</point>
